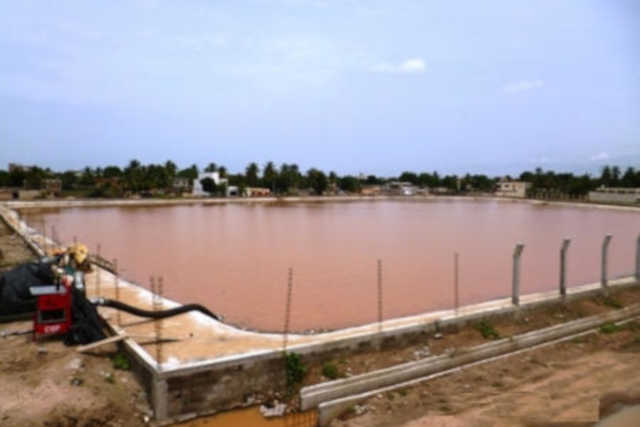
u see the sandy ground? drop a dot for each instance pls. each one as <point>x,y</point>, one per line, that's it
<point>568,384</point>
<point>48,384</point>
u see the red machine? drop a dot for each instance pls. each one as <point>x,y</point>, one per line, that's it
<point>53,309</point>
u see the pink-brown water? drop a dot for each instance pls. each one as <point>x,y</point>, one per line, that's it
<point>234,258</point>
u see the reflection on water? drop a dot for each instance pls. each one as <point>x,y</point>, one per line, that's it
<point>234,258</point>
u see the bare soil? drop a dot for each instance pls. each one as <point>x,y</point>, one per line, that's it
<point>574,383</point>
<point>50,385</point>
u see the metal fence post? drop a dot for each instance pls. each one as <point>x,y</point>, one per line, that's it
<point>563,267</point>
<point>638,259</point>
<point>98,272</point>
<point>605,250</point>
<point>515,291</point>
<point>379,295</point>
<point>117,290</point>
<point>456,295</point>
<point>287,314</point>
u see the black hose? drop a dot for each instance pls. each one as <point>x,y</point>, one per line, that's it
<point>161,314</point>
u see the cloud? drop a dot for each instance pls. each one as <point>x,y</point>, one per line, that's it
<point>410,66</point>
<point>522,86</point>
<point>600,156</point>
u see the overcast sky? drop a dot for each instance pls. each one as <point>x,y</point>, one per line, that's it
<point>346,85</point>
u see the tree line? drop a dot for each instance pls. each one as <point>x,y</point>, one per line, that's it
<point>137,178</point>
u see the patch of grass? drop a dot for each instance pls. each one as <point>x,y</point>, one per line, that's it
<point>611,302</point>
<point>487,330</point>
<point>330,370</point>
<point>295,370</point>
<point>121,361</point>
<point>633,326</point>
<point>579,340</point>
<point>610,328</point>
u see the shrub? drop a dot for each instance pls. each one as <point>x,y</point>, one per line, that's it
<point>612,302</point>
<point>121,361</point>
<point>295,369</point>
<point>609,328</point>
<point>330,370</point>
<point>487,330</point>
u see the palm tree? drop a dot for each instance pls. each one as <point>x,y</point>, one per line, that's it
<point>251,174</point>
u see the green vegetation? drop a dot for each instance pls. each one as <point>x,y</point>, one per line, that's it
<point>633,326</point>
<point>487,330</point>
<point>161,180</point>
<point>208,185</point>
<point>331,371</point>
<point>610,328</point>
<point>295,370</point>
<point>121,361</point>
<point>612,302</point>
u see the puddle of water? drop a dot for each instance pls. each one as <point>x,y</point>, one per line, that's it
<point>627,417</point>
<point>252,417</point>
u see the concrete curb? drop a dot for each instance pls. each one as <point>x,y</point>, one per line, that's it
<point>313,396</point>
<point>7,218</point>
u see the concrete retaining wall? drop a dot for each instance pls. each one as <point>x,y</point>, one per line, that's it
<point>629,196</point>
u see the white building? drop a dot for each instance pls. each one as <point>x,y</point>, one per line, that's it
<point>233,191</point>
<point>400,188</point>
<point>512,189</point>
<point>197,186</point>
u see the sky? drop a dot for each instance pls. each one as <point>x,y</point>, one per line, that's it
<point>353,86</point>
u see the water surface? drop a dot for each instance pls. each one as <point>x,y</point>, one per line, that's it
<point>234,258</point>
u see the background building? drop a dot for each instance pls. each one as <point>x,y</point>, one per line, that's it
<point>512,189</point>
<point>197,185</point>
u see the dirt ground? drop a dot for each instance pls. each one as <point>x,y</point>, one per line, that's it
<point>574,383</point>
<point>47,384</point>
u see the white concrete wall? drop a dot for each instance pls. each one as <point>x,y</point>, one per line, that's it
<point>614,197</point>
